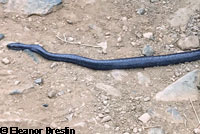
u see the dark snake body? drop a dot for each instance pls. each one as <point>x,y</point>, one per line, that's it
<point>122,63</point>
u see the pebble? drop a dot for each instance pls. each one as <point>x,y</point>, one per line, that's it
<point>152,1</point>
<point>104,46</point>
<point>5,61</point>
<point>147,99</point>
<point>15,92</point>
<point>1,36</point>
<point>107,111</point>
<point>53,65</point>
<point>175,115</point>
<point>39,81</point>
<point>45,105</point>
<point>196,131</point>
<point>117,129</point>
<point>80,124</point>
<point>145,118</point>
<point>119,39</point>
<point>110,90</point>
<point>106,119</point>
<point>60,93</point>
<point>148,51</point>
<point>148,35</point>
<point>125,28</point>
<point>190,42</point>
<point>185,88</point>
<point>119,75</point>
<point>100,115</point>
<point>3,1</point>
<point>52,93</point>
<point>143,80</point>
<point>135,130</point>
<point>17,82</point>
<point>156,131</point>
<point>141,11</point>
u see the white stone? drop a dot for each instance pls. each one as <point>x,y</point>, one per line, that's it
<point>143,80</point>
<point>189,42</point>
<point>145,118</point>
<point>110,90</point>
<point>119,75</point>
<point>5,61</point>
<point>148,35</point>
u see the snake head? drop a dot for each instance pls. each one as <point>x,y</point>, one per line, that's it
<point>15,46</point>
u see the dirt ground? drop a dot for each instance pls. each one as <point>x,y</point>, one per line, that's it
<point>80,102</point>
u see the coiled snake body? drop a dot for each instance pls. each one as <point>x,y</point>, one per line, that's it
<point>122,63</point>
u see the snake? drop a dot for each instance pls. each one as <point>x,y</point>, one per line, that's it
<point>110,64</point>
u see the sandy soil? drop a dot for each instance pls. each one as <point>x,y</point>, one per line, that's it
<point>80,103</point>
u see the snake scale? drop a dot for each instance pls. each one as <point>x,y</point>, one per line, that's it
<point>122,63</point>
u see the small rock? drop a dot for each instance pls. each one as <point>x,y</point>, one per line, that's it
<point>53,125</point>
<point>148,51</point>
<point>39,81</point>
<point>189,42</point>
<point>196,131</point>
<point>45,105</point>
<point>32,7</point>
<point>108,89</point>
<point>17,82</point>
<point>106,126</point>
<point>53,65</point>
<point>119,75</point>
<point>80,124</point>
<point>70,39</point>
<point>143,80</point>
<point>117,129</point>
<point>185,88</point>
<point>145,118</point>
<point>140,129</point>
<point>174,115</point>
<point>106,119</point>
<point>141,11</point>
<point>156,131</point>
<point>135,130</point>
<point>125,28</point>
<point>5,61</point>
<point>60,93</point>
<point>69,22</point>
<point>52,94</point>
<point>104,46</point>
<point>15,92</point>
<point>133,43</point>
<point>3,1</point>
<point>148,35</point>
<point>119,39</point>
<point>105,102</point>
<point>147,99</point>
<point>107,111</point>
<point>101,115</point>
<point>1,35</point>
<point>152,1</point>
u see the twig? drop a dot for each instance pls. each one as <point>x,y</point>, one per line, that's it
<point>185,120</point>
<point>64,39</point>
<point>195,111</point>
